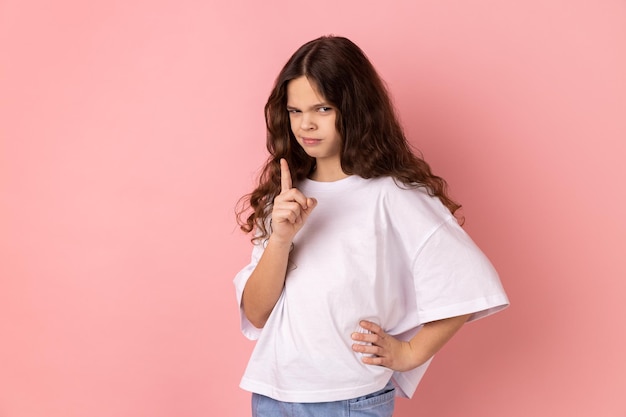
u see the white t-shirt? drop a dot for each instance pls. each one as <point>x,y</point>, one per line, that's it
<point>370,250</point>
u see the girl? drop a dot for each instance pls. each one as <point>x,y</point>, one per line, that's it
<point>360,272</point>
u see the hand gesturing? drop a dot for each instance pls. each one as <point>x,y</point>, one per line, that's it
<point>382,349</point>
<point>291,207</point>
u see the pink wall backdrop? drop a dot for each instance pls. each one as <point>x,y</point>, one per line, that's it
<point>128,130</point>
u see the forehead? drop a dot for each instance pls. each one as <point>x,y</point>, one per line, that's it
<point>301,92</point>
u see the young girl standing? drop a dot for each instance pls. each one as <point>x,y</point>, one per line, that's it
<point>360,271</point>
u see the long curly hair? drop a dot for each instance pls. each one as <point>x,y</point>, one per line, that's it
<point>374,144</point>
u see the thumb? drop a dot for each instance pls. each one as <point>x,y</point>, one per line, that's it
<point>311,203</point>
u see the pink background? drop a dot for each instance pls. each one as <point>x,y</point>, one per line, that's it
<point>128,130</point>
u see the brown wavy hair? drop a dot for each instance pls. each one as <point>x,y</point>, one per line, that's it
<point>374,144</point>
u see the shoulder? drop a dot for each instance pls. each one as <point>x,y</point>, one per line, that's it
<point>408,213</point>
<point>412,198</point>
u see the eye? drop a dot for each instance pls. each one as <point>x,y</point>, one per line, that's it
<point>293,111</point>
<point>324,109</point>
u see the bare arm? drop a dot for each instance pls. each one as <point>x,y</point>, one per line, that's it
<point>403,356</point>
<point>266,282</point>
<point>290,210</point>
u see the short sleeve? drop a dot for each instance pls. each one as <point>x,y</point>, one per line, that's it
<point>240,281</point>
<point>453,277</point>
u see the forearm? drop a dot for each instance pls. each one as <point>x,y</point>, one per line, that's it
<point>290,210</point>
<point>266,282</point>
<point>432,337</point>
<point>386,350</point>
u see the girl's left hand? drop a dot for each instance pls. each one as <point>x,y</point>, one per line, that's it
<point>385,350</point>
<point>402,356</point>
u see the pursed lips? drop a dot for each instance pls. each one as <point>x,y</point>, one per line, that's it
<point>311,141</point>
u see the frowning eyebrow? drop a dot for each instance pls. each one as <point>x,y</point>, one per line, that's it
<point>313,107</point>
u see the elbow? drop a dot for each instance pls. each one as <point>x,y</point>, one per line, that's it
<point>255,313</point>
<point>257,320</point>
<point>258,323</point>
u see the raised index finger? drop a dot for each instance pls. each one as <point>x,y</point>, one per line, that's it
<point>285,176</point>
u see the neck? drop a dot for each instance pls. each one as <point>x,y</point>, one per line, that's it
<point>327,172</point>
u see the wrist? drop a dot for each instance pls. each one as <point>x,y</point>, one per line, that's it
<point>416,355</point>
<point>279,242</point>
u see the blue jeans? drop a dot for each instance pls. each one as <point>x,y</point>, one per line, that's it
<point>377,404</point>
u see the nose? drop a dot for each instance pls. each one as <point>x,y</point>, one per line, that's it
<point>307,122</point>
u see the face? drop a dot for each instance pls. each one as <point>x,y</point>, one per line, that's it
<point>313,123</point>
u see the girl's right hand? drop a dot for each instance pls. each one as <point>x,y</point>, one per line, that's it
<point>291,208</point>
